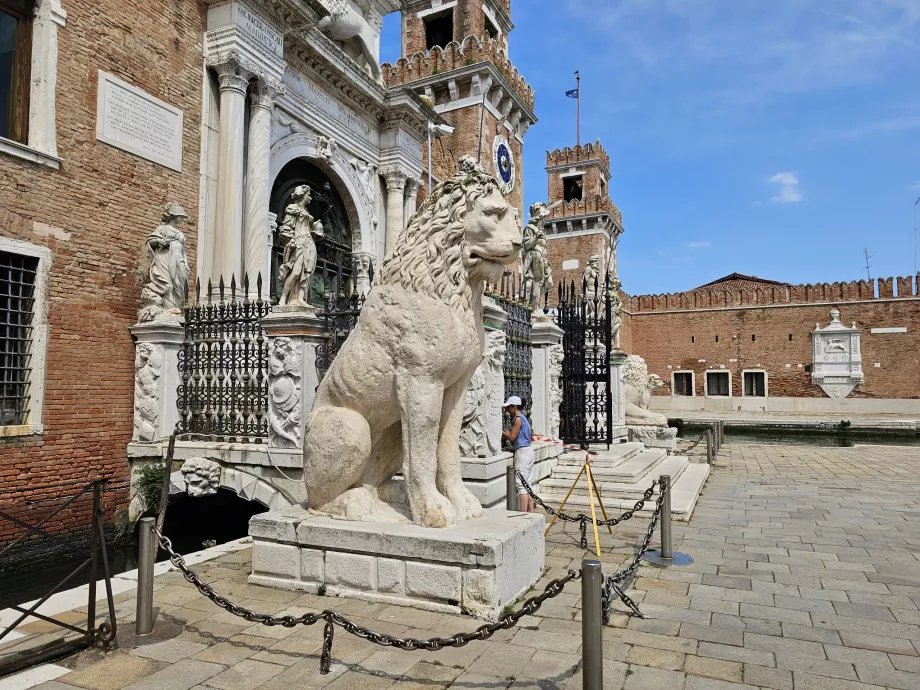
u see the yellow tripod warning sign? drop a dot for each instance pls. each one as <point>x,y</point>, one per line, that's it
<point>592,492</point>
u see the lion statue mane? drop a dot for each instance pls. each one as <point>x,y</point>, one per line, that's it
<point>395,396</point>
<point>640,386</point>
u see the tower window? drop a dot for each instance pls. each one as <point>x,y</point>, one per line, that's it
<point>790,337</point>
<point>491,30</point>
<point>574,188</point>
<point>692,338</point>
<point>717,338</point>
<point>439,30</point>
<point>753,338</point>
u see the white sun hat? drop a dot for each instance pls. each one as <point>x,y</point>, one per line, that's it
<point>513,400</point>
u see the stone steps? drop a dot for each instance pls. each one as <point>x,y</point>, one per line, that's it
<point>631,471</point>
<point>616,455</point>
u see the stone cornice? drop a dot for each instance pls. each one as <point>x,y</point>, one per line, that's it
<point>290,15</point>
<point>562,167</point>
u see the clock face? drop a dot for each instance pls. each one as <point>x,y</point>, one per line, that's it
<point>503,161</point>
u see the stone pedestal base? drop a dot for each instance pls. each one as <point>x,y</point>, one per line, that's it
<point>476,567</point>
<point>654,436</point>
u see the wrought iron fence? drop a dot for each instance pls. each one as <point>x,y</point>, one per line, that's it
<point>586,320</point>
<point>341,310</point>
<point>224,365</point>
<point>512,296</point>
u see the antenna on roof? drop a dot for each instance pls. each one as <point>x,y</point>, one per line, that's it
<point>868,266</point>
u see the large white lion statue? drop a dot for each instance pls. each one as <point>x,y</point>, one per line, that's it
<point>640,386</point>
<point>395,395</point>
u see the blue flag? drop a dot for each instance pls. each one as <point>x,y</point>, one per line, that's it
<point>572,94</point>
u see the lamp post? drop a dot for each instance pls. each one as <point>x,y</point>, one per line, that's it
<point>915,234</point>
<point>435,131</point>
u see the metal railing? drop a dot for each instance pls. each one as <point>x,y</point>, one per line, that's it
<point>513,298</point>
<point>90,549</point>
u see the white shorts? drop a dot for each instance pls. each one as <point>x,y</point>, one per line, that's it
<point>523,463</point>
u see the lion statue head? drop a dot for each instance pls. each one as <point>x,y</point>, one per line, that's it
<point>465,234</point>
<point>636,372</point>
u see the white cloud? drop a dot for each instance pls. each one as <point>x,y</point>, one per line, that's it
<point>916,186</point>
<point>789,188</point>
<point>699,245</point>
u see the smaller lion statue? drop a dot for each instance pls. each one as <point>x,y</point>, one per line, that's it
<point>202,477</point>
<point>640,386</point>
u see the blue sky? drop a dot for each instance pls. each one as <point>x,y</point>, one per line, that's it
<point>778,138</point>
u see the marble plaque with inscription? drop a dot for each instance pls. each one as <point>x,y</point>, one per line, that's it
<point>131,119</point>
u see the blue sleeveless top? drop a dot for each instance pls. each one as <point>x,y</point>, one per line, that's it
<point>523,437</point>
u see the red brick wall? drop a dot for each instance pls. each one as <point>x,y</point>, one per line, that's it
<point>108,200</point>
<point>664,339</point>
<point>561,248</point>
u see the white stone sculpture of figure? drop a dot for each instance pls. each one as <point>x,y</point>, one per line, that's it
<point>300,256</point>
<point>640,387</point>
<point>395,394</point>
<point>148,367</point>
<point>538,276</point>
<point>556,358</point>
<point>285,409</point>
<point>202,477</point>
<point>346,24</point>
<point>616,311</point>
<point>592,274</point>
<point>163,296</point>
<point>474,441</point>
<point>326,147</point>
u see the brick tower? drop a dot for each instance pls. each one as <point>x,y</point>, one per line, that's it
<point>583,220</point>
<point>456,54</point>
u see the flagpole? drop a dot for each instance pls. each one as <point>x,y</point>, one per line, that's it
<point>578,78</point>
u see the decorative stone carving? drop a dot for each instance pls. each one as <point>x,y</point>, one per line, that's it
<point>300,256</point>
<point>165,265</point>
<point>202,477</point>
<point>644,425</point>
<point>616,311</point>
<point>326,147</point>
<point>837,362</point>
<point>346,25</point>
<point>556,358</point>
<point>395,394</point>
<point>538,276</point>
<point>474,439</point>
<point>285,409</point>
<point>366,172</point>
<point>593,284</point>
<point>148,368</point>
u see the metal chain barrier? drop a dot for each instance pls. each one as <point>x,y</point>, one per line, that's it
<point>332,618</point>
<point>686,451</point>
<point>615,584</point>
<point>585,520</point>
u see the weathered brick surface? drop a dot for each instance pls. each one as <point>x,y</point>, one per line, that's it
<point>108,201</point>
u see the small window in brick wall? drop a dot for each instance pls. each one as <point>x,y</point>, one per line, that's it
<point>753,338</point>
<point>439,30</point>
<point>717,383</point>
<point>683,384</point>
<point>573,188</point>
<point>17,298</point>
<point>755,384</point>
<point>790,337</point>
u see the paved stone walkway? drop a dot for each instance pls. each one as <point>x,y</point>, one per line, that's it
<point>806,577</point>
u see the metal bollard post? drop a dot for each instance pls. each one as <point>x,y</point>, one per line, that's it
<point>512,500</point>
<point>709,446</point>
<point>592,629</point>
<point>147,556</point>
<point>666,555</point>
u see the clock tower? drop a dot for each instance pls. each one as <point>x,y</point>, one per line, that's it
<point>455,54</point>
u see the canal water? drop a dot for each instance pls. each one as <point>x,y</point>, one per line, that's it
<point>800,438</point>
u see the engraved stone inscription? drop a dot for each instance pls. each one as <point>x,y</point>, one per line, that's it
<point>256,29</point>
<point>134,121</point>
<point>328,106</point>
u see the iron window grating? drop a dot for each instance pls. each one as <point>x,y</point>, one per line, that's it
<point>17,299</point>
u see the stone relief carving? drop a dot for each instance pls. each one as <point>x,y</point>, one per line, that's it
<point>166,269</point>
<point>474,438</point>
<point>148,368</point>
<point>640,386</point>
<point>202,477</point>
<point>556,358</point>
<point>366,173</point>
<point>300,256</point>
<point>354,31</point>
<point>383,406</point>
<point>285,407</point>
<point>326,147</point>
<point>837,366</point>
<point>538,276</point>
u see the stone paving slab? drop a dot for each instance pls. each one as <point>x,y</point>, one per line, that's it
<point>806,577</point>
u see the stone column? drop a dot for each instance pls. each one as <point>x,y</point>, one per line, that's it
<point>256,254</point>
<point>618,392</point>
<point>396,197</point>
<point>228,225</point>
<point>546,341</point>
<point>156,379</point>
<point>411,204</point>
<point>49,15</point>
<point>494,319</point>
<point>293,335</point>
<point>363,262</point>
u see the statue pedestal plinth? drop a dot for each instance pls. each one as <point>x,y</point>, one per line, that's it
<point>654,436</point>
<point>475,567</point>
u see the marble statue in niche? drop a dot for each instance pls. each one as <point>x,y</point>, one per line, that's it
<point>297,232</point>
<point>538,276</point>
<point>163,296</point>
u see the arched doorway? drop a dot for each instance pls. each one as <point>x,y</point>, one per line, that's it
<point>334,266</point>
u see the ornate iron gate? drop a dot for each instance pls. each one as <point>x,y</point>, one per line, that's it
<point>341,310</point>
<point>587,404</point>
<point>224,366</point>
<point>512,297</point>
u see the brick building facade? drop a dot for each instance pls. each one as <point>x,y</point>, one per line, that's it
<point>745,327</point>
<point>77,211</point>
